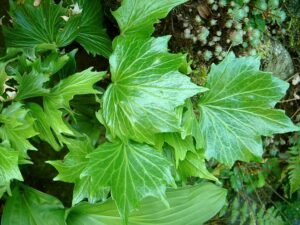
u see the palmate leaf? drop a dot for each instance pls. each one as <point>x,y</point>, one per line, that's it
<point>41,25</point>
<point>190,205</point>
<point>72,166</point>
<point>17,128</point>
<point>137,18</point>
<point>146,88</point>
<point>132,170</point>
<point>28,206</point>
<point>238,109</point>
<point>9,168</point>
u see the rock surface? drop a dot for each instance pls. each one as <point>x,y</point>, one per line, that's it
<point>279,61</point>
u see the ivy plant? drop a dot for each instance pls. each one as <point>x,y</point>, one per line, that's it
<point>134,143</point>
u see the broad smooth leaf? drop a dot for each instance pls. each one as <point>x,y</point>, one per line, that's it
<point>17,128</point>
<point>137,18</point>
<point>146,88</point>
<point>189,205</point>
<point>92,36</point>
<point>72,166</point>
<point>238,109</point>
<point>132,170</point>
<point>28,206</point>
<point>59,97</point>
<point>42,25</point>
<point>9,169</point>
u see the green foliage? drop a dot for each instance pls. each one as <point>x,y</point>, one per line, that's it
<point>28,206</point>
<point>226,110</point>
<point>137,18</point>
<point>133,134</point>
<point>246,212</point>
<point>49,25</point>
<point>143,95</point>
<point>294,167</point>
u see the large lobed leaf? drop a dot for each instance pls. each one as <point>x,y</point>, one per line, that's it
<point>238,109</point>
<point>132,170</point>
<point>190,205</point>
<point>137,17</point>
<point>146,88</point>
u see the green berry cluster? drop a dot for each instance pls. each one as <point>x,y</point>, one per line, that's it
<point>218,26</point>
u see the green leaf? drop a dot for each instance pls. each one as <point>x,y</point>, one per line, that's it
<point>294,168</point>
<point>132,170</point>
<point>40,26</point>
<point>138,17</point>
<point>3,77</point>
<point>180,146</point>
<point>42,125</point>
<point>78,84</point>
<point>28,206</point>
<point>146,88</point>
<point>194,166</point>
<point>188,205</point>
<point>92,36</point>
<point>31,85</point>
<point>72,166</point>
<point>17,128</point>
<point>238,109</point>
<point>9,169</point>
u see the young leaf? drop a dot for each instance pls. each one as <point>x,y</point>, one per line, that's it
<point>146,88</point>
<point>188,205</point>
<point>181,146</point>
<point>42,25</point>
<point>17,128</point>
<point>9,169</point>
<point>132,170</point>
<point>31,85</point>
<point>42,125</point>
<point>137,18</point>
<point>78,84</point>
<point>72,166</point>
<point>28,206</point>
<point>92,36</point>
<point>194,166</point>
<point>238,109</point>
